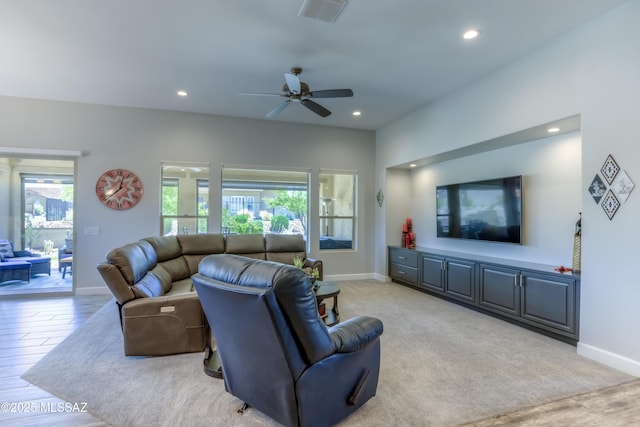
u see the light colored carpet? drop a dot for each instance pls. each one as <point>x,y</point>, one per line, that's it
<point>442,365</point>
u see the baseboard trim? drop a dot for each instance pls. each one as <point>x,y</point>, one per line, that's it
<point>98,290</point>
<point>613,360</point>
<point>345,277</point>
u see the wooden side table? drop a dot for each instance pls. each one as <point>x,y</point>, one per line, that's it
<point>324,291</point>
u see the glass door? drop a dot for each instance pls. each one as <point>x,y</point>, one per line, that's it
<point>37,222</point>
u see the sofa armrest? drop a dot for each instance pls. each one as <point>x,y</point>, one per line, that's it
<point>355,334</point>
<point>314,263</point>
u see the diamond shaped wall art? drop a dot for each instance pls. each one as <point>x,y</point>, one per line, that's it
<point>622,186</point>
<point>609,169</point>
<point>610,204</point>
<point>597,189</point>
<point>611,193</point>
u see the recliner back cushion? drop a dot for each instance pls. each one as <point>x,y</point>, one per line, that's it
<point>148,286</point>
<point>164,277</point>
<point>149,252</point>
<point>247,245</point>
<point>293,293</point>
<point>166,247</point>
<point>131,260</point>
<point>170,257</point>
<point>177,268</point>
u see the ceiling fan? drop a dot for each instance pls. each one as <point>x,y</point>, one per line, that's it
<point>297,91</point>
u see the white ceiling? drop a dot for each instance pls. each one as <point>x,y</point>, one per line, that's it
<point>396,55</point>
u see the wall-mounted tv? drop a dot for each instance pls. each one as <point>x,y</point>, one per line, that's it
<point>481,210</point>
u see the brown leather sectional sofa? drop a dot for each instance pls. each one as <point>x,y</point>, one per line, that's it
<point>151,280</point>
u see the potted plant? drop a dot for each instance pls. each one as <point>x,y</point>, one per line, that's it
<point>312,273</point>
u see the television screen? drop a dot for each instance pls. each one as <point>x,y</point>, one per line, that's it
<point>481,210</point>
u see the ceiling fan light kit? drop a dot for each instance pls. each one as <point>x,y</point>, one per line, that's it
<point>322,10</point>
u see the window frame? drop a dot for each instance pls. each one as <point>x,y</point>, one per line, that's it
<point>325,218</point>
<point>188,218</point>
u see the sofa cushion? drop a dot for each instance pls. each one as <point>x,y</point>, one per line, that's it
<point>201,244</point>
<point>181,286</point>
<point>6,249</point>
<point>283,248</point>
<point>197,246</point>
<point>247,245</point>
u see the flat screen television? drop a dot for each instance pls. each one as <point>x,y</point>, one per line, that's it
<point>481,210</point>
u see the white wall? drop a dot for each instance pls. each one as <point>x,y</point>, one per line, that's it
<point>551,179</point>
<point>593,72</point>
<point>138,140</point>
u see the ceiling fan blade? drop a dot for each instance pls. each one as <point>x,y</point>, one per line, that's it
<point>293,82</point>
<point>271,114</point>
<point>261,94</point>
<point>315,107</point>
<point>331,93</point>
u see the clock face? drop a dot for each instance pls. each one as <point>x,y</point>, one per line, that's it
<point>119,189</point>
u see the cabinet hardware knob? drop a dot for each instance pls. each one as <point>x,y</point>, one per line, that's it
<point>401,272</point>
<point>401,257</point>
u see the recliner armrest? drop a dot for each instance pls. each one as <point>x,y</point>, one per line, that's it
<point>355,334</point>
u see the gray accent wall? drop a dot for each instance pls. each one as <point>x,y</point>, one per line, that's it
<point>139,139</point>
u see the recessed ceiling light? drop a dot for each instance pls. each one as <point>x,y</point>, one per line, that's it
<point>412,165</point>
<point>471,34</point>
<point>553,130</point>
<point>356,113</point>
<point>182,93</point>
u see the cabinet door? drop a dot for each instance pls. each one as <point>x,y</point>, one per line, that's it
<point>460,279</point>
<point>433,273</point>
<point>499,289</point>
<point>549,301</point>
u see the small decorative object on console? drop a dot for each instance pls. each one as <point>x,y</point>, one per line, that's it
<point>408,237</point>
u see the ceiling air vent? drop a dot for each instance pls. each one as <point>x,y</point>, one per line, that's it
<point>322,10</point>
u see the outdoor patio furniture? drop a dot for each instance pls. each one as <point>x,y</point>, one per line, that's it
<point>15,270</point>
<point>66,264</point>
<point>65,251</point>
<point>39,264</point>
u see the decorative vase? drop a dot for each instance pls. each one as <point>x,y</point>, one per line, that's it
<point>577,247</point>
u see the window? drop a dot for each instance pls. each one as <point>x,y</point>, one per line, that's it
<point>185,198</point>
<point>337,209</point>
<point>264,201</point>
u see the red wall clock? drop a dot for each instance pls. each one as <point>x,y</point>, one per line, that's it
<point>119,189</point>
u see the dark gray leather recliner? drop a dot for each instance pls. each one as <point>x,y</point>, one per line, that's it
<point>277,355</point>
